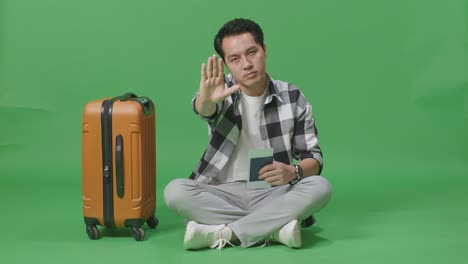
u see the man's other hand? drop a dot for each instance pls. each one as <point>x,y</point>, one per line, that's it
<point>277,173</point>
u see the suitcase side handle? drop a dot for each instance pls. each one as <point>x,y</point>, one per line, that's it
<point>119,165</point>
<point>146,103</point>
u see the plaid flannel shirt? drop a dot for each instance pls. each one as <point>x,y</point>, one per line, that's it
<point>287,125</point>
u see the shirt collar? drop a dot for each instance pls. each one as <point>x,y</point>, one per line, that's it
<point>272,91</point>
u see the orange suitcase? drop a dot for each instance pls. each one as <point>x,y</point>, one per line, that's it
<point>119,164</point>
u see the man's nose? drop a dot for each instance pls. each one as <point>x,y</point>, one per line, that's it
<point>247,64</point>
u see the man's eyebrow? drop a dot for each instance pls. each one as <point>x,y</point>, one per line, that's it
<point>232,55</point>
<point>247,50</point>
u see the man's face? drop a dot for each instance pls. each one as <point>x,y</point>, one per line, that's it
<point>245,59</point>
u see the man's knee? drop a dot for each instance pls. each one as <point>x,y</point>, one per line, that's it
<point>317,192</point>
<point>321,186</point>
<point>176,192</point>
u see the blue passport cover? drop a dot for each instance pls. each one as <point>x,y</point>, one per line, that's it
<point>256,164</point>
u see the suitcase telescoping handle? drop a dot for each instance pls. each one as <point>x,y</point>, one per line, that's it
<point>144,101</point>
<point>124,97</point>
<point>119,165</point>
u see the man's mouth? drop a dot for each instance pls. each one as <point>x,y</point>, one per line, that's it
<point>250,74</point>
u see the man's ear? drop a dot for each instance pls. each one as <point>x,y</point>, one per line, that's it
<point>265,50</point>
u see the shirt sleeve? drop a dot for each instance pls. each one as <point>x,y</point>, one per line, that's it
<point>211,120</point>
<point>305,139</point>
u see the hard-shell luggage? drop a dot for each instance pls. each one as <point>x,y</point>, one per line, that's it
<point>119,164</point>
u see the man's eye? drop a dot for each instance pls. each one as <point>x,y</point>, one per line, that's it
<point>252,52</point>
<point>233,59</point>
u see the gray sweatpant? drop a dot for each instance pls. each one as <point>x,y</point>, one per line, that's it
<point>252,214</point>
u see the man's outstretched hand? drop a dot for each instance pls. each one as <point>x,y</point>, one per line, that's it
<point>212,89</point>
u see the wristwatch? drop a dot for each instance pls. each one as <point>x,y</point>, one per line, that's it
<point>299,175</point>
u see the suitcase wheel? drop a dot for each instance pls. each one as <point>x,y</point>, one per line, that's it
<point>138,233</point>
<point>93,232</point>
<point>152,222</point>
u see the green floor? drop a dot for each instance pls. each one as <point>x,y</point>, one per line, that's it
<point>417,213</point>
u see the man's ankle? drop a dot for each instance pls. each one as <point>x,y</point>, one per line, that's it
<point>233,235</point>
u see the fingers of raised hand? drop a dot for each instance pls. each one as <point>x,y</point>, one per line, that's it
<point>203,72</point>
<point>212,79</point>
<point>221,68</point>
<point>215,67</point>
<point>210,67</point>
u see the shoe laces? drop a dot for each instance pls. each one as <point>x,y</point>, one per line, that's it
<point>265,243</point>
<point>270,238</point>
<point>220,241</point>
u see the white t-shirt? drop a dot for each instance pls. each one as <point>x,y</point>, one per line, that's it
<point>237,167</point>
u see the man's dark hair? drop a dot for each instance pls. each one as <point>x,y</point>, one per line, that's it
<point>237,27</point>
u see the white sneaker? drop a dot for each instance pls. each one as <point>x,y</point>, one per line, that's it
<point>289,235</point>
<point>202,236</point>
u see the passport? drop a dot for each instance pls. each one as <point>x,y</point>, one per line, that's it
<point>258,159</point>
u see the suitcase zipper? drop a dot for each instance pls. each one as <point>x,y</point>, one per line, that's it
<point>106,132</point>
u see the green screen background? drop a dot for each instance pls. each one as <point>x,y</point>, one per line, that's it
<point>388,82</point>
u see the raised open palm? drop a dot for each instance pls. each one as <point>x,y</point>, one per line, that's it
<point>212,81</point>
